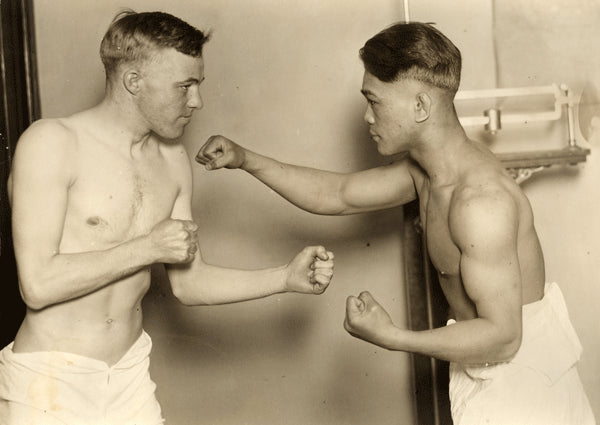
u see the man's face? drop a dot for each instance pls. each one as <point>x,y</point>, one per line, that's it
<point>170,92</point>
<point>390,113</point>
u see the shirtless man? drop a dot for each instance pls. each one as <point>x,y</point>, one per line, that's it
<point>97,198</point>
<point>479,232</point>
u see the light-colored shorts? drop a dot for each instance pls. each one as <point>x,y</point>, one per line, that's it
<point>48,388</point>
<point>539,386</point>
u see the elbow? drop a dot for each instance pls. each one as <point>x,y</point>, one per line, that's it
<point>33,298</point>
<point>33,303</point>
<point>320,208</point>
<point>38,284</point>
<point>187,299</point>
<point>181,295</point>
<point>509,346</point>
<point>40,289</point>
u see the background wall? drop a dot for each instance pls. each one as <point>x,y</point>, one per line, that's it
<point>542,42</point>
<point>283,78</point>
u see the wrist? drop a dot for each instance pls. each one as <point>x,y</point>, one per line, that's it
<point>282,283</point>
<point>142,249</point>
<point>250,161</point>
<point>393,338</point>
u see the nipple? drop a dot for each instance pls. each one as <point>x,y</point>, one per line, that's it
<point>109,321</point>
<point>93,221</point>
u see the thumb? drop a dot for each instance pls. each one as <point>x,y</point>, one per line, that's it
<point>366,298</point>
<point>354,305</point>
<point>323,254</point>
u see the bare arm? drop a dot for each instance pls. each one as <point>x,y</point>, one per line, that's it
<point>317,191</point>
<point>199,283</point>
<point>43,171</point>
<point>485,230</point>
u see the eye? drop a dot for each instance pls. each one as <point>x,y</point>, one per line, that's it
<point>185,87</point>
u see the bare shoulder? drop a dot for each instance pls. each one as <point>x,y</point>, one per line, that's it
<point>46,142</point>
<point>484,208</point>
<point>177,160</point>
<point>44,155</point>
<point>46,137</point>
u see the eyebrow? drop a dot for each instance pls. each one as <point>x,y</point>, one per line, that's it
<point>192,80</point>
<point>367,93</point>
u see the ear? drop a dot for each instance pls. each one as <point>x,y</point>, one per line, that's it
<point>132,81</point>
<point>422,107</point>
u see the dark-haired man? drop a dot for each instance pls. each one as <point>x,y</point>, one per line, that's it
<point>512,349</point>
<point>98,197</point>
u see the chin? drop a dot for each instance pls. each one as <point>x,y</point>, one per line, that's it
<point>171,134</point>
<point>390,149</point>
<point>383,151</point>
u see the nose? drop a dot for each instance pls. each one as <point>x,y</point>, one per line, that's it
<point>194,98</point>
<point>368,117</point>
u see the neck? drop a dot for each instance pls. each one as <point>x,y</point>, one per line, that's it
<point>440,151</point>
<point>123,122</point>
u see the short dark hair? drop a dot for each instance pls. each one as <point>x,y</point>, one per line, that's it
<point>134,37</point>
<point>416,51</point>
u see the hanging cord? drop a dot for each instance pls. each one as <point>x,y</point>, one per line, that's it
<point>496,66</point>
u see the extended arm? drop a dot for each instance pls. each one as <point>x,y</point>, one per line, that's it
<point>317,191</point>
<point>485,230</point>
<point>199,283</point>
<point>41,177</point>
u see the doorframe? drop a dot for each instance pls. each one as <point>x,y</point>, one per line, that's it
<point>19,91</point>
<point>427,309</point>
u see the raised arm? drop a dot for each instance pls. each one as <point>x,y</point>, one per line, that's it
<point>485,230</point>
<point>317,191</point>
<point>199,283</point>
<point>43,171</point>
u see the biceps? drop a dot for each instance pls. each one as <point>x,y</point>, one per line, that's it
<point>378,188</point>
<point>493,283</point>
<point>182,209</point>
<point>39,202</point>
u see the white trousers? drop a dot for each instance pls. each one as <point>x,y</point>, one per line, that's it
<point>48,388</point>
<point>539,386</point>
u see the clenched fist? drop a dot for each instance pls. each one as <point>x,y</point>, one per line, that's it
<point>310,271</point>
<point>174,241</point>
<point>219,152</point>
<point>367,319</point>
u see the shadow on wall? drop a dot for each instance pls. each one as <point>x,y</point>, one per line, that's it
<point>589,112</point>
<point>192,325</point>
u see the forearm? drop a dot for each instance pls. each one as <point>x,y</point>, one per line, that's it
<point>199,283</point>
<point>313,190</point>
<point>471,342</point>
<point>66,276</point>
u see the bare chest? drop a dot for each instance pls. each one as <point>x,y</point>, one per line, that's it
<point>434,209</point>
<point>443,252</point>
<point>114,199</point>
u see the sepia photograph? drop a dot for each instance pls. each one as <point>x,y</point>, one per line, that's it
<point>318,212</point>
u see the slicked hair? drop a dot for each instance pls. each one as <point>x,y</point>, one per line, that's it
<point>134,37</point>
<point>415,51</point>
